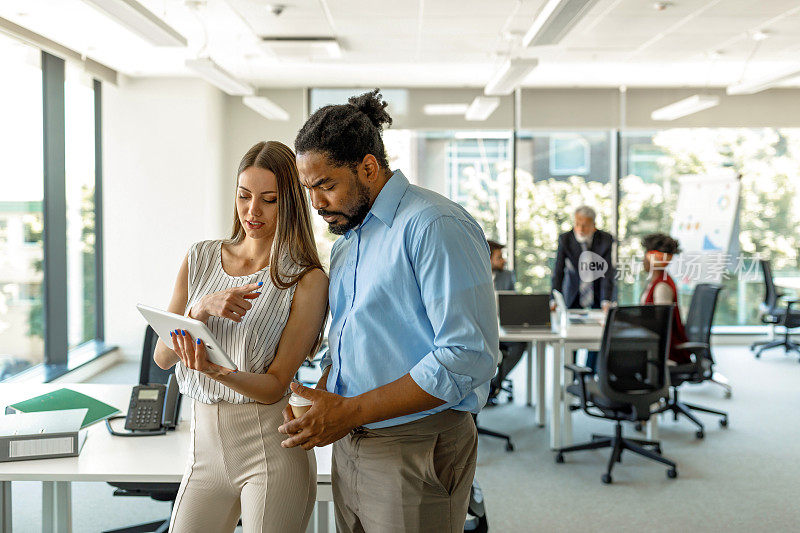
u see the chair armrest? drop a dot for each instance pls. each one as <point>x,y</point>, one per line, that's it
<point>790,302</point>
<point>578,369</point>
<point>692,346</point>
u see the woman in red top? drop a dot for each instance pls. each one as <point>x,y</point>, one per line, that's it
<point>661,289</point>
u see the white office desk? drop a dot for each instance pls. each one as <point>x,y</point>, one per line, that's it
<point>563,344</point>
<point>156,459</point>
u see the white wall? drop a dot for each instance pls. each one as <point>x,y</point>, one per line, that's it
<point>244,127</point>
<point>162,188</point>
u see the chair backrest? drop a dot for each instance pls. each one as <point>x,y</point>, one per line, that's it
<point>771,293</point>
<point>701,312</point>
<point>632,364</point>
<point>701,315</point>
<point>149,371</point>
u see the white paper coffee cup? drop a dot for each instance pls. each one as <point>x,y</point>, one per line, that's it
<point>299,405</point>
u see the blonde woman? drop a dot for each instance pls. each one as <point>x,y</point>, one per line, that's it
<point>263,294</point>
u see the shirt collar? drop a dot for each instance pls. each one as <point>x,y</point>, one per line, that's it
<point>385,205</point>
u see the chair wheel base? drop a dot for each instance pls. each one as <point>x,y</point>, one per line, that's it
<point>606,478</point>
<point>699,434</point>
<point>560,458</point>
<point>672,473</point>
<point>638,427</point>
<point>509,447</point>
<point>723,423</point>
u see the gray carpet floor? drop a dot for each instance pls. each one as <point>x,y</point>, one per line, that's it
<point>743,478</point>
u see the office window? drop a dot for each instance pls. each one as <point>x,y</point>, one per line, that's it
<point>768,223</point>
<point>569,155</point>
<point>471,168</point>
<point>21,220</point>
<point>80,181</point>
<point>396,98</point>
<point>546,200</point>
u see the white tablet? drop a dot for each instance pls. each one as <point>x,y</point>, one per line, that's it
<point>164,322</point>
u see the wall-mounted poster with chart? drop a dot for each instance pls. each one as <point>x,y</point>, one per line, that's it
<point>704,224</point>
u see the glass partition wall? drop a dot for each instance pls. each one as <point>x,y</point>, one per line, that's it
<point>631,178</point>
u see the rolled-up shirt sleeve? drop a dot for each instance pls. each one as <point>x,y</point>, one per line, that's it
<point>451,263</point>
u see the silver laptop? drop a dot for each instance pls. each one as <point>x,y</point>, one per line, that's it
<point>518,312</point>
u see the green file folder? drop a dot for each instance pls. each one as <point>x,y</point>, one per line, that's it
<point>66,399</point>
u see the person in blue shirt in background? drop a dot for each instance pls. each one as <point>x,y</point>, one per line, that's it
<point>413,341</point>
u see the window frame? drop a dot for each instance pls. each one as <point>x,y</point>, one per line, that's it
<point>58,357</point>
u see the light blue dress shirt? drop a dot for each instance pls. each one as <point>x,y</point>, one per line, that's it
<point>411,292</point>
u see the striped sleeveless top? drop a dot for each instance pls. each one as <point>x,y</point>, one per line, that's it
<point>251,343</point>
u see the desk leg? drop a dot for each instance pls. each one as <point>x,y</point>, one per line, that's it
<point>323,509</point>
<point>529,376</point>
<point>555,407</point>
<point>566,431</point>
<point>56,507</point>
<point>652,428</point>
<point>320,518</point>
<point>541,352</point>
<point>5,507</point>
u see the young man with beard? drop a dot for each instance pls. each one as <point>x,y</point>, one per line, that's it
<point>413,337</point>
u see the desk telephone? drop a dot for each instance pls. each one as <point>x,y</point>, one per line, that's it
<point>153,410</point>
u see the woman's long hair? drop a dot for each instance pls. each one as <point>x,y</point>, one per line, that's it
<point>294,251</point>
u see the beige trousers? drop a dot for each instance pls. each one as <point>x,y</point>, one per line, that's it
<point>415,477</point>
<point>237,467</point>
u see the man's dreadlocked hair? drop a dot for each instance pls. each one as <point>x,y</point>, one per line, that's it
<point>347,133</point>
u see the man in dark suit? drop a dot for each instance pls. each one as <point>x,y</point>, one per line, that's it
<point>504,280</point>
<point>584,272</point>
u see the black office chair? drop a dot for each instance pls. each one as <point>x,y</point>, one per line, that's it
<point>149,372</point>
<point>698,330</point>
<point>631,376</point>
<point>772,312</point>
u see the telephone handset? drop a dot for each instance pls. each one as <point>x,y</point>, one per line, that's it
<point>153,410</point>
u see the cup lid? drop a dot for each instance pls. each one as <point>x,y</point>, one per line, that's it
<point>298,400</point>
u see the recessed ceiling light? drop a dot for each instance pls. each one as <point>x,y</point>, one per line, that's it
<point>758,85</point>
<point>481,108</point>
<point>138,19</point>
<point>445,109</point>
<point>684,107</point>
<point>509,76</point>
<point>760,35</point>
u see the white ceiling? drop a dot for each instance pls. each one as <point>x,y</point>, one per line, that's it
<point>442,42</point>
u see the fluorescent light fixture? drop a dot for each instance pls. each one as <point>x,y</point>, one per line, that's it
<point>755,86</point>
<point>555,21</point>
<point>266,107</point>
<point>482,107</point>
<point>303,47</point>
<point>140,21</point>
<point>509,76</point>
<point>445,109</point>
<point>219,77</point>
<point>684,107</point>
